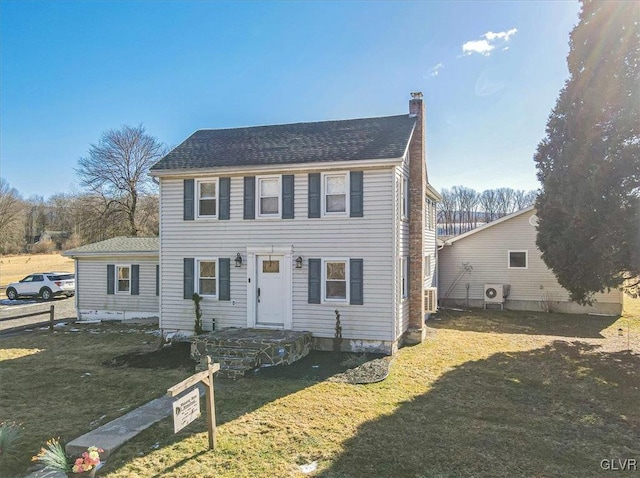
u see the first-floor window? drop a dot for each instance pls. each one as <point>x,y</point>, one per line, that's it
<point>404,264</point>
<point>427,266</point>
<point>207,278</point>
<point>123,276</point>
<point>335,275</point>
<point>518,260</point>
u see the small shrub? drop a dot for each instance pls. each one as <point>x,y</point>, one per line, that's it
<point>45,247</point>
<point>10,433</point>
<point>354,360</point>
<point>197,327</point>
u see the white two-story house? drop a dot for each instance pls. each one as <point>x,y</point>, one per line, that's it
<point>281,226</point>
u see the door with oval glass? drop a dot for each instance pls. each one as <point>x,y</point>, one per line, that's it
<point>270,291</point>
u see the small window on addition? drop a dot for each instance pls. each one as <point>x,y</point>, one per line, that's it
<point>518,260</point>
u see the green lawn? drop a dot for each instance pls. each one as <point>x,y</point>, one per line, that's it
<point>489,394</point>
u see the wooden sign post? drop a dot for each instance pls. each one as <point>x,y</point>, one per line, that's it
<point>206,377</point>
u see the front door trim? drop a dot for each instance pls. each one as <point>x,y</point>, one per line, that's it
<point>252,253</point>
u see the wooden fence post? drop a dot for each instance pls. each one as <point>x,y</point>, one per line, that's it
<point>51,315</point>
<point>211,408</point>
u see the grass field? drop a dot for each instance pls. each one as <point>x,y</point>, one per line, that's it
<point>14,268</point>
<point>489,393</point>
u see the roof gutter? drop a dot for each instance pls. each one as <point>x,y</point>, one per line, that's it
<point>294,167</point>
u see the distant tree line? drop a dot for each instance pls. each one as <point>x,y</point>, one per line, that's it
<point>119,199</point>
<point>463,208</point>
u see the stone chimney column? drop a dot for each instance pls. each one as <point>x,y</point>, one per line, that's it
<point>417,189</point>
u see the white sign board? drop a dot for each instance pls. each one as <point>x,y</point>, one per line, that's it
<point>186,409</point>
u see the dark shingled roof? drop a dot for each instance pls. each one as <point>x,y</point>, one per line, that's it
<point>347,140</point>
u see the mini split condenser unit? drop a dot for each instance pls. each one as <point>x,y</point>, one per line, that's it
<point>494,293</point>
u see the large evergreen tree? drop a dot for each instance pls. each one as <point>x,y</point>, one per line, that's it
<point>589,161</point>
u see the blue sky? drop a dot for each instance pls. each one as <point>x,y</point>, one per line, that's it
<point>490,73</point>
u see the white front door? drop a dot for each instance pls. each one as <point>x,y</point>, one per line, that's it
<point>270,291</point>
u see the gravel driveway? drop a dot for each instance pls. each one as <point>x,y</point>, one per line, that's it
<point>64,309</point>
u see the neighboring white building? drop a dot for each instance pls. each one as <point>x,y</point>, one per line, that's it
<point>504,252</point>
<point>280,227</point>
<point>117,279</point>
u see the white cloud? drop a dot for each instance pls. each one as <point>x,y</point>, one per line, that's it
<point>435,70</point>
<point>477,46</point>
<point>488,42</point>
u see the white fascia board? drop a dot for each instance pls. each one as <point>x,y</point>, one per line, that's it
<point>110,255</point>
<point>489,224</point>
<point>269,168</point>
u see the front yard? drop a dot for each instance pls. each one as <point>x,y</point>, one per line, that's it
<point>489,394</point>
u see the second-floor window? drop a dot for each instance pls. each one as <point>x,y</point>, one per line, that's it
<point>269,196</point>
<point>208,198</point>
<point>335,193</point>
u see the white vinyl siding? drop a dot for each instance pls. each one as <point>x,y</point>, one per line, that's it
<point>91,286</point>
<point>369,238</point>
<point>401,233</point>
<point>487,252</point>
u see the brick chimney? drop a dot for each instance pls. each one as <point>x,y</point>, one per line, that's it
<point>417,189</point>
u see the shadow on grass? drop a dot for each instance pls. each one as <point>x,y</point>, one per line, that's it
<point>522,322</point>
<point>554,411</point>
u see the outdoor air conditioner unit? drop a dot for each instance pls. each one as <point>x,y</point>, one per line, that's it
<point>430,300</point>
<point>494,294</point>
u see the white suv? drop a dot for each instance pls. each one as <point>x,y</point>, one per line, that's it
<point>44,284</point>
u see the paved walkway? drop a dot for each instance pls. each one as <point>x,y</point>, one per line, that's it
<point>116,433</point>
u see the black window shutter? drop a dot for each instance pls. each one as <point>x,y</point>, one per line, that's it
<point>188,202</point>
<point>250,197</point>
<point>287,196</point>
<point>225,198</point>
<point>355,279</point>
<point>111,279</point>
<point>135,279</point>
<point>314,195</point>
<point>355,194</point>
<point>225,279</point>
<point>315,277</point>
<point>157,279</point>
<point>188,277</point>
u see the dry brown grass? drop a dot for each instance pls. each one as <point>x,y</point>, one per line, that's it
<point>490,393</point>
<point>14,268</point>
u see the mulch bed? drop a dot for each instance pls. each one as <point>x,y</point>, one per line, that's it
<point>317,366</point>
<point>177,355</point>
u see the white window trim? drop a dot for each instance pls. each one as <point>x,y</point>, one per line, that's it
<point>427,265</point>
<point>196,286</point>
<point>404,196</point>
<point>268,216</point>
<point>347,199</point>
<point>526,259</point>
<point>324,280</point>
<point>116,288</point>
<point>197,198</point>
<point>404,277</point>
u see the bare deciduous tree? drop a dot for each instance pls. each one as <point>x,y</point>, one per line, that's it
<point>116,169</point>
<point>11,219</point>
